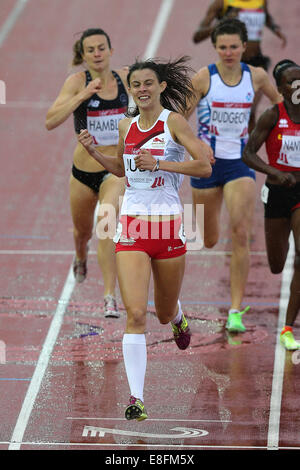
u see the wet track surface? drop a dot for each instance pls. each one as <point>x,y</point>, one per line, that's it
<point>62,379</point>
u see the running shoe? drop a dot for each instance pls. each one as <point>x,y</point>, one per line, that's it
<point>110,307</point>
<point>182,333</point>
<point>288,341</point>
<point>79,270</point>
<point>234,321</point>
<point>136,410</point>
<point>80,267</point>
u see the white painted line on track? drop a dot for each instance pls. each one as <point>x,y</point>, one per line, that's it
<point>11,20</point>
<point>159,27</point>
<point>42,252</point>
<point>35,384</point>
<point>28,104</point>
<point>42,363</point>
<point>157,32</point>
<point>115,446</point>
<point>91,252</point>
<point>163,420</point>
<point>278,372</point>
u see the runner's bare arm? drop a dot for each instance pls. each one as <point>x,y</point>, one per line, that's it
<point>200,83</point>
<point>275,28</point>
<point>257,138</point>
<point>261,81</point>
<point>112,164</point>
<point>182,133</point>
<point>207,24</point>
<point>71,95</point>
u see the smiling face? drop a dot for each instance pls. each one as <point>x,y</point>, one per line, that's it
<point>290,84</point>
<point>96,52</point>
<point>145,88</point>
<point>230,49</point>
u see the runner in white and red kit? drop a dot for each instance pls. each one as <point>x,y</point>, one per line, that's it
<point>150,235</point>
<point>224,95</point>
<point>279,129</point>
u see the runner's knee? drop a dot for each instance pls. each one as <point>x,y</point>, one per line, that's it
<point>240,235</point>
<point>82,234</point>
<point>136,318</point>
<point>165,316</point>
<point>276,264</point>
<point>210,242</point>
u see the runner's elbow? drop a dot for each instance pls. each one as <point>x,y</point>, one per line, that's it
<point>208,173</point>
<point>245,157</point>
<point>205,171</point>
<point>49,124</point>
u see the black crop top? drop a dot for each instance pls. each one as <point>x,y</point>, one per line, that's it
<point>101,117</point>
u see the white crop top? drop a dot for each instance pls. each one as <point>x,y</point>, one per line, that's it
<point>151,193</point>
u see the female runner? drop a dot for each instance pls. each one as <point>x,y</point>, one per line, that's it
<point>151,237</point>
<point>98,99</point>
<point>279,129</point>
<point>256,15</point>
<point>224,94</point>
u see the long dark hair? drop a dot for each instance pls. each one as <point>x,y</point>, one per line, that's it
<point>78,46</point>
<point>176,74</point>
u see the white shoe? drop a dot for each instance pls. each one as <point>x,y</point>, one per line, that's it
<point>110,307</point>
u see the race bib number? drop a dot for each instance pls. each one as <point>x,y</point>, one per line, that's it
<point>264,194</point>
<point>103,125</point>
<point>141,179</point>
<point>254,21</point>
<point>230,119</point>
<point>290,149</point>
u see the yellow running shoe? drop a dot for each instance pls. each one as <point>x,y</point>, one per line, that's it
<point>288,341</point>
<point>182,333</point>
<point>136,410</point>
<point>234,321</point>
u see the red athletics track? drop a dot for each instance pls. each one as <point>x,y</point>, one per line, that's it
<point>62,380</point>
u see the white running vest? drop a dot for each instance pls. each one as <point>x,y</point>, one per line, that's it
<point>223,114</point>
<point>252,13</point>
<point>151,193</point>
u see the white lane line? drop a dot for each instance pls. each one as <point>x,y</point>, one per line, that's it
<point>279,361</point>
<point>41,252</point>
<point>28,104</point>
<point>159,27</point>
<point>91,252</point>
<point>44,358</point>
<point>162,420</point>
<point>145,446</point>
<point>11,20</point>
<point>42,363</point>
<point>157,32</point>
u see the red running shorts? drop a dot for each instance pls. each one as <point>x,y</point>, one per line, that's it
<point>160,240</point>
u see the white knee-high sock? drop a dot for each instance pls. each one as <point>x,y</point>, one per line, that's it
<point>178,317</point>
<point>135,360</point>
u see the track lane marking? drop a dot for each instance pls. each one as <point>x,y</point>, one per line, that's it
<point>42,363</point>
<point>279,361</point>
<point>143,446</point>
<point>34,387</point>
<point>12,19</point>
<point>71,252</point>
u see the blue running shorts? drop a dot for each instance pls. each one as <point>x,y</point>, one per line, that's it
<point>223,171</point>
